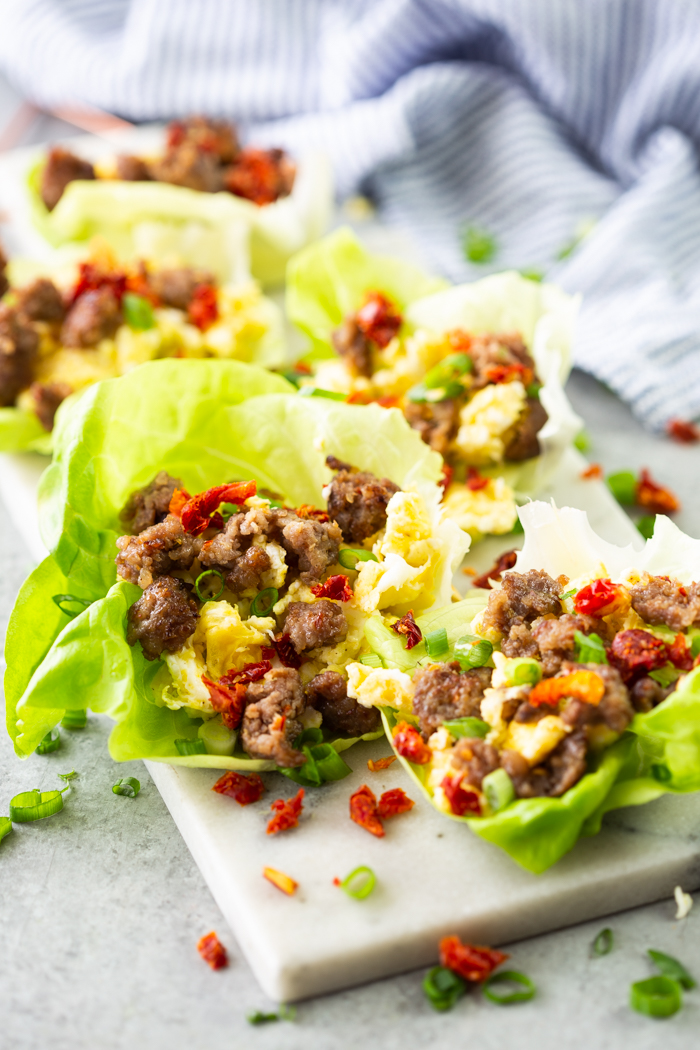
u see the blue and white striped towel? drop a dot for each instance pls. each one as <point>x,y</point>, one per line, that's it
<point>524,117</point>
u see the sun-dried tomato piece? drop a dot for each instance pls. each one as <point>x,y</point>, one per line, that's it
<point>212,951</point>
<point>244,788</point>
<point>363,810</point>
<point>459,340</point>
<point>91,277</point>
<point>288,656</point>
<point>686,433</point>
<point>506,561</point>
<point>600,598</point>
<point>592,472</point>
<point>657,499</point>
<point>679,653</point>
<point>178,500</point>
<point>471,961</point>
<point>636,652</point>
<point>507,373</point>
<point>307,510</point>
<point>408,627</point>
<point>255,176</point>
<point>446,479</point>
<point>388,401</point>
<point>475,481</point>
<point>582,685</point>
<point>287,813</point>
<point>359,397</point>
<point>248,673</point>
<point>195,513</point>
<point>375,765</point>
<point>409,744</point>
<point>268,652</point>
<point>303,367</point>
<point>462,799</point>
<point>175,134</point>
<point>283,882</point>
<point>377,319</point>
<point>394,802</point>
<point>203,308</point>
<point>336,587</point>
<point>229,701</point>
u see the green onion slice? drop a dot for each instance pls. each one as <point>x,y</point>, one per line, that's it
<point>665,675</point>
<point>349,557</point>
<point>533,390</point>
<point>127,786</point>
<point>582,441</point>
<point>603,944</point>
<point>202,576</point>
<point>371,660</point>
<point>323,763</point>
<point>499,790</point>
<point>443,988</point>
<point>695,646</point>
<point>471,652</point>
<point>436,643</point>
<point>567,594</point>
<point>35,805</point>
<point>5,827</point>
<point>656,997</point>
<point>285,1013</point>
<point>138,312</point>
<point>672,968</point>
<point>623,486</point>
<point>315,391</point>
<point>479,245</point>
<point>74,719</point>
<point>468,727</point>
<point>522,670</point>
<point>509,977</point>
<point>64,599</point>
<point>661,773</point>
<point>67,777</point>
<point>264,601</point>
<point>646,525</point>
<point>51,742</point>
<point>590,648</point>
<point>359,883</point>
<point>190,747</point>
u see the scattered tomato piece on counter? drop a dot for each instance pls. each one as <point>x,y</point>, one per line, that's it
<point>394,802</point>
<point>287,813</point>
<point>283,882</point>
<point>336,881</point>
<point>462,800</point>
<point>657,499</point>
<point>375,765</point>
<point>408,627</point>
<point>506,561</point>
<point>212,951</point>
<point>410,744</point>
<point>470,961</point>
<point>336,587</point>
<point>686,433</point>
<point>244,788</point>
<point>363,811</point>
<point>593,472</point>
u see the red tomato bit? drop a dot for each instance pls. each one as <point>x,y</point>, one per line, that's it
<point>462,800</point>
<point>446,480</point>
<point>229,701</point>
<point>91,277</point>
<point>504,563</point>
<point>507,373</point>
<point>655,498</point>
<point>195,513</point>
<point>287,813</point>
<point>409,744</point>
<point>203,309</point>
<point>472,962</point>
<point>212,951</point>
<point>336,587</point>
<point>307,510</point>
<point>598,598</point>
<point>268,652</point>
<point>476,481</point>
<point>177,501</point>
<point>679,653</point>
<point>686,433</point>
<point>408,627</point>
<point>288,656</point>
<point>387,401</point>
<point>248,673</point>
<point>243,788</point>
<point>376,764</point>
<point>377,319</point>
<point>592,472</point>
<point>636,652</point>
<point>363,810</point>
<point>255,176</point>
<point>394,802</point>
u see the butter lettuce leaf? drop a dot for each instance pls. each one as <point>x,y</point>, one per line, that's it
<point>20,430</point>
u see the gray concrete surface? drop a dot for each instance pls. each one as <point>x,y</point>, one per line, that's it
<point>101,906</point>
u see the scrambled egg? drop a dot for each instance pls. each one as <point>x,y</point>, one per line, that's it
<point>379,687</point>
<point>535,740</point>
<point>486,418</point>
<point>490,510</point>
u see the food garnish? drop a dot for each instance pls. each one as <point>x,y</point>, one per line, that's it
<point>359,883</point>
<point>686,433</point>
<point>283,882</point>
<point>287,813</point>
<point>212,951</point>
<point>244,788</point>
<point>505,562</point>
<point>363,811</point>
<point>375,765</point>
<point>394,802</point>
<point>410,745</point>
<point>523,991</point>
<point>408,627</point>
<point>127,786</point>
<point>472,962</point>
<point>603,943</point>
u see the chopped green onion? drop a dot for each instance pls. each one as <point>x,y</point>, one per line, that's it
<point>51,742</point>
<point>202,576</point>
<point>522,670</point>
<point>74,720</point>
<point>315,391</point>
<point>509,977</point>
<point>603,944</point>
<point>5,827</point>
<point>623,486</point>
<point>567,594</point>
<point>532,275</point>
<point>323,763</point>
<point>190,747</point>
<point>311,736</point>
<point>672,968</point>
<point>459,727</point>
<point>656,997</point>
<point>695,646</point>
<point>218,739</point>
<point>127,786</point>
<point>443,988</point>
<point>450,368</point>
<point>447,391</point>
<point>498,789</point>
<point>471,653</point>
<point>264,601</point>
<point>590,648</point>
<point>646,525</point>
<point>285,1013</point>
<point>138,312</point>
<point>66,777</point>
<point>359,883</point>
<point>661,773</point>
<point>436,643</point>
<point>349,557</point>
<point>478,245</point>
<point>533,391</point>
<point>582,441</point>
<point>371,660</point>
<point>62,599</point>
<point>35,805</point>
<point>665,675</point>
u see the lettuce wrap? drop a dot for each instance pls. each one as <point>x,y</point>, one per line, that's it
<point>205,423</point>
<point>658,751</point>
